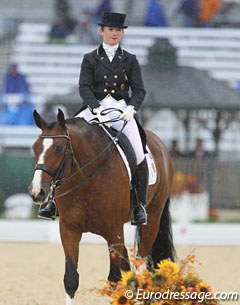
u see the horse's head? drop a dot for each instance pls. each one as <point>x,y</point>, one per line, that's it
<point>51,151</point>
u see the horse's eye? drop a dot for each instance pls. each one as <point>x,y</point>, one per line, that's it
<point>58,148</point>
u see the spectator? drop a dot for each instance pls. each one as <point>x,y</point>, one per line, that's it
<point>200,156</point>
<point>62,7</point>
<point>18,114</point>
<point>14,81</point>
<point>227,8</point>
<point>58,31</point>
<point>209,9</point>
<point>103,6</point>
<point>12,112</point>
<point>87,32</point>
<point>7,114</point>
<point>70,23</point>
<point>155,14</point>
<point>64,10</point>
<point>189,9</point>
<point>4,114</point>
<point>199,151</point>
<point>174,150</point>
<point>24,112</point>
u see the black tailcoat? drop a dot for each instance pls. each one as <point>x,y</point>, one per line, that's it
<point>99,77</point>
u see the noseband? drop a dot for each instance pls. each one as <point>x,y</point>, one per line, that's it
<point>56,174</point>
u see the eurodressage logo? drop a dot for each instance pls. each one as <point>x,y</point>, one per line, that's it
<point>184,295</point>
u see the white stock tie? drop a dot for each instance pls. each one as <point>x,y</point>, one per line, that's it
<point>110,50</point>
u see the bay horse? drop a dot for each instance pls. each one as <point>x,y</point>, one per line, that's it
<point>80,163</point>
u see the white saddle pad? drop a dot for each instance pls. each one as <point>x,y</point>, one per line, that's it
<point>150,162</point>
<point>152,169</point>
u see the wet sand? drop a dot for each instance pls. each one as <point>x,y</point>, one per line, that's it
<point>32,274</point>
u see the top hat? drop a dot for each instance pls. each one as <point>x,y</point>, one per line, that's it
<point>115,20</point>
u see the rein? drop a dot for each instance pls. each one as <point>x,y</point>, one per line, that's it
<point>113,141</point>
<point>58,174</point>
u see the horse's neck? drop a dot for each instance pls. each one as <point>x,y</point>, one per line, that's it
<point>87,141</point>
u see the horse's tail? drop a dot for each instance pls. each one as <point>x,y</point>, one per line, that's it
<point>163,247</point>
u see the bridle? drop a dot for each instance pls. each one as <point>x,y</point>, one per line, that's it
<point>58,174</point>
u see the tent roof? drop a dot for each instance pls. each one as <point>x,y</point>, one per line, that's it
<point>187,88</point>
<point>179,88</point>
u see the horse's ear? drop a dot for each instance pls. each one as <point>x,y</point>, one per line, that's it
<point>61,118</point>
<point>39,120</point>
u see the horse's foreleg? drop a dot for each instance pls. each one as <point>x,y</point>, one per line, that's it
<point>118,257</point>
<point>71,280</point>
<point>125,264</point>
<point>70,237</point>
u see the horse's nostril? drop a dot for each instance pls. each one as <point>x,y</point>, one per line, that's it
<point>38,197</point>
<point>41,194</point>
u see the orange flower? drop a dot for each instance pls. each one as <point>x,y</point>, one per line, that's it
<point>113,255</point>
<point>191,258</point>
<point>137,261</point>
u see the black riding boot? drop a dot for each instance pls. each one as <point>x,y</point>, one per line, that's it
<point>141,185</point>
<point>49,212</point>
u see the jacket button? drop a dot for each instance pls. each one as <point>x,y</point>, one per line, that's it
<point>115,76</point>
<point>105,76</point>
<point>105,90</point>
<point>113,91</point>
<point>106,84</point>
<point>114,84</point>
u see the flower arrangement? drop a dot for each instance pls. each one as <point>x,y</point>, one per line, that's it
<point>167,284</point>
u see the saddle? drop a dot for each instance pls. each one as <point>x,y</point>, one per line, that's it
<point>126,146</point>
<point>127,153</point>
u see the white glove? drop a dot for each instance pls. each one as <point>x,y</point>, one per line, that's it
<point>102,118</point>
<point>128,113</point>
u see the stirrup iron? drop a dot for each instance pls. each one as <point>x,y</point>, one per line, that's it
<point>53,217</point>
<point>135,221</point>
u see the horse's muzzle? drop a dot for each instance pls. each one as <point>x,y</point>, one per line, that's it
<point>39,197</point>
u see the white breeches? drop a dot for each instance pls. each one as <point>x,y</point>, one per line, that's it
<point>130,130</point>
